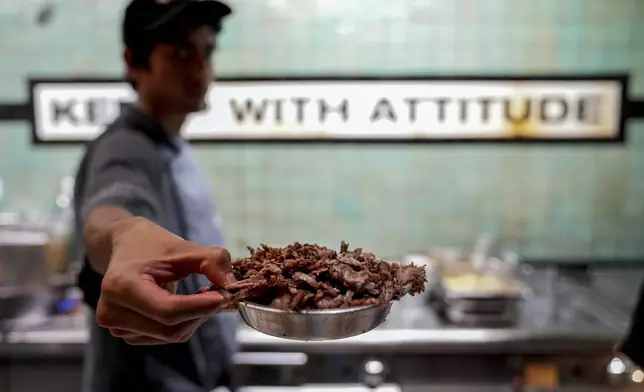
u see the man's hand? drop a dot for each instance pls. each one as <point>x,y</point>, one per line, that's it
<point>138,301</point>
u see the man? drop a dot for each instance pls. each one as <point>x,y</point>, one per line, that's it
<point>633,344</point>
<point>150,235</point>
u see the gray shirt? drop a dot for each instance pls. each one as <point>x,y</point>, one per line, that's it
<point>140,166</point>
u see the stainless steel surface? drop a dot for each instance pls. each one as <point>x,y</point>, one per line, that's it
<point>313,325</point>
<point>549,320</point>
<point>567,322</point>
<point>553,318</point>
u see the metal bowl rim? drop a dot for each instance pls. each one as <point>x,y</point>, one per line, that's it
<point>320,312</point>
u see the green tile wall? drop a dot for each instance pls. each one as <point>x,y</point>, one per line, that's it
<point>555,202</point>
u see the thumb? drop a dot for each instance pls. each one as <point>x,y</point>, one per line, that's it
<point>217,266</point>
<point>211,261</point>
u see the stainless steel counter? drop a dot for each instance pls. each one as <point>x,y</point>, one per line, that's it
<point>561,313</point>
<point>569,320</point>
<point>410,328</point>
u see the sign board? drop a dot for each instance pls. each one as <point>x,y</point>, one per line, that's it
<point>367,109</point>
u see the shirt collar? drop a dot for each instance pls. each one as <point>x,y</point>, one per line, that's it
<point>142,122</point>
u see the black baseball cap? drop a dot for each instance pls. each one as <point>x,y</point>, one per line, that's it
<point>147,22</point>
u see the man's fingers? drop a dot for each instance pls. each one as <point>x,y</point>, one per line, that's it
<point>230,278</point>
<point>139,338</point>
<point>178,308</point>
<point>196,326</point>
<point>125,323</point>
<point>228,307</point>
<point>211,261</point>
<point>216,265</point>
<point>146,297</point>
<point>147,340</point>
<point>143,294</point>
<point>143,341</point>
<point>122,333</point>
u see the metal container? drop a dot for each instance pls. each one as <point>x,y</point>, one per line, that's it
<point>480,305</point>
<point>313,325</point>
<point>23,270</point>
<point>22,257</point>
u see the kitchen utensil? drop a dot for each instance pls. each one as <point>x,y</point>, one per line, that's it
<point>313,325</point>
<point>478,315</point>
<point>473,286</point>
<point>486,297</point>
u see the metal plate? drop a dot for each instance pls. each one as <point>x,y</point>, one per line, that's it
<point>314,325</point>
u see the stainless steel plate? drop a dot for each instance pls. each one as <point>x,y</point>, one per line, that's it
<point>313,325</point>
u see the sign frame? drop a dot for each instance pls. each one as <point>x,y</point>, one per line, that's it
<point>621,78</point>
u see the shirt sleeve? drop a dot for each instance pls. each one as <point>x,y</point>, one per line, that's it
<point>633,344</point>
<point>123,172</point>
